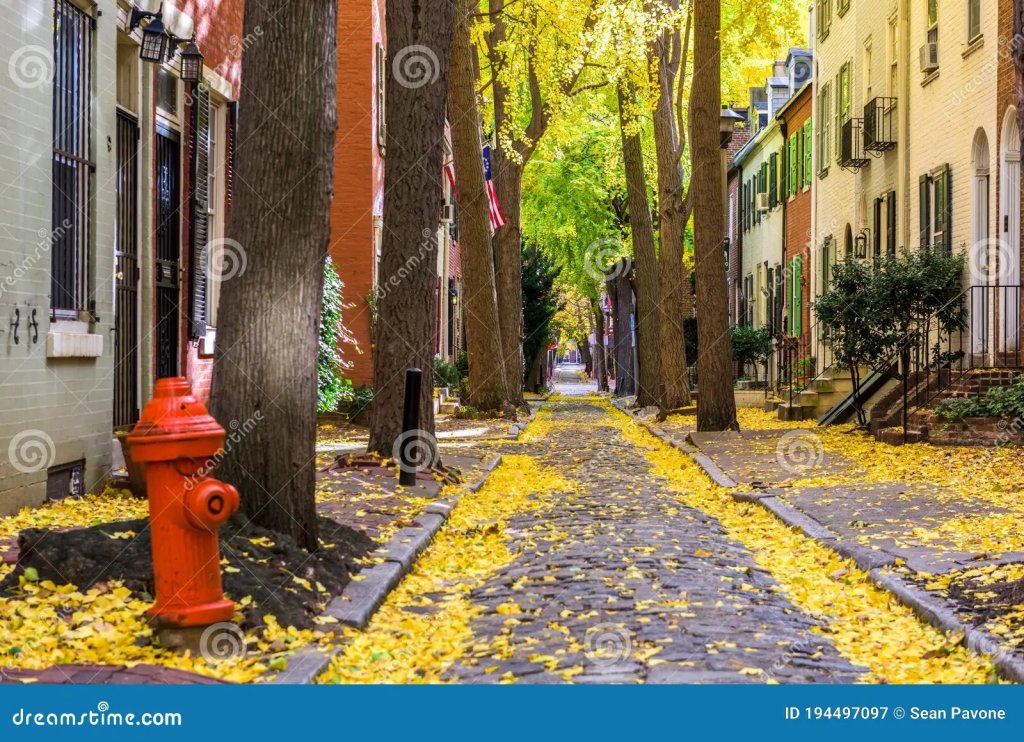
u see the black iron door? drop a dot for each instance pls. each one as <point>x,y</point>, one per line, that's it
<point>168,250</point>
<point>126,275</point>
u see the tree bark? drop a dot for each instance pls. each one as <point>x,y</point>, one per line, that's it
<point>268,332</point>
<point>487,377</point>
<point>645,260</point>
<point>716,408</point>
<point>621,293</point>
<point>418,76</point>
<point>600,352</point>
<point>673,283</point>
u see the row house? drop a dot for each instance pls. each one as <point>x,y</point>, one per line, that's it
<point>917,147</point>
<point>116,127</point>
<point>357,213</point>
<point>768,174</point>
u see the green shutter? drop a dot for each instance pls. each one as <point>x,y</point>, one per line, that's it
<point>773,180</point>
<point>947,232</point>
<point>808,163</point>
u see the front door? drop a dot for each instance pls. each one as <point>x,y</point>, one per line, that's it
<point>168,251</point>
<point>126,275</point>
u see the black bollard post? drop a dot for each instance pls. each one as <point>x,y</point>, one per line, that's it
<point>410,444</point>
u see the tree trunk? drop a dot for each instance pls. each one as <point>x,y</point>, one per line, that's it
<point>508,181</point>
<point>415,110</point>
<point>674,284</point>
<point>621,293</point>
<point>644,257</point>
<point>716,409</point>
<point>487,378</point>
<point>268,332</point>
<point>600,353</point>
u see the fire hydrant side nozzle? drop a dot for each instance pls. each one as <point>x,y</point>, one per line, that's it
<point>177,439</point>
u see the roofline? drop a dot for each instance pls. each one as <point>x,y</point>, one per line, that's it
<point>792,98</point>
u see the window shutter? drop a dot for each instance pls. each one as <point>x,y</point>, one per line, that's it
<point>890,223</point>
<point>925,213</point>
<point>773,180</point>
<point>200,211</point>
<point>784,167</point>
<point>947,227</point>
<point>229,158</point>
<point>876,228</point>
<point>808,163</point>
<point>382,138</point>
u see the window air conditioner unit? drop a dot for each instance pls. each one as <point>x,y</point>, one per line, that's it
<point>762,202</point>
<point>930,57</point>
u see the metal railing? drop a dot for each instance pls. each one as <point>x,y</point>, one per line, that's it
<point>880,125</point>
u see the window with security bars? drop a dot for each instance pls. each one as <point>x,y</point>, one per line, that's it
<point>74,32</point>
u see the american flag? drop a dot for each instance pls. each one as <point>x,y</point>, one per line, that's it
<point>494,207</point>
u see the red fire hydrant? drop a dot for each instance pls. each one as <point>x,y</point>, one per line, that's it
<point>175,438</point>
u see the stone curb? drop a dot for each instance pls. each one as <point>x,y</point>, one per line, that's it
<point>929,609</point>
<point>305,665</point>
<point>361,598</point>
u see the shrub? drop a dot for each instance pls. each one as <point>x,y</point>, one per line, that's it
<point>446,374</point>
<point>354,400</point>
<point>1000,401</point>
<point>750,345</point>
<point>331,386</point>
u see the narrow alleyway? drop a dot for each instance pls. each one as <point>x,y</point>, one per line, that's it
<point>617,578</point>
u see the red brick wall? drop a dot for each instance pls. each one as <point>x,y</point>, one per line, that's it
<point>218,26</point>
<point>798,212</point>
<point>358,173</point>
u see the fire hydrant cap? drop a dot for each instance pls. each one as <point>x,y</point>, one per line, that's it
<point>174,416</point>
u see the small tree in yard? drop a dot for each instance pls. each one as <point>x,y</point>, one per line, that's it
<point>850,322</point>
<point>750,346</point>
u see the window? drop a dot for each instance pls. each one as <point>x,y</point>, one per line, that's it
<point>935,204</point>
<point>73,167</point>
<point>381,86</point>
<point>973,19</point>
<point>894,52</point>
<point>166,93</point>
<point>843,103</point>
<point>824,131</point>
<point>824,18</point>
<point>933,21</point>
<point>867,71</point>
<point>841,7</point>
<point>890,223</point>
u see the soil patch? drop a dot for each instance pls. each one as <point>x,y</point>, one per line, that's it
<point>281,578</point>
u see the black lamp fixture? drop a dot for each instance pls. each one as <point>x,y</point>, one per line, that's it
<point>154,36</point>
<point>191,62</point>
<point>727,122</point>
<point>158,45</point>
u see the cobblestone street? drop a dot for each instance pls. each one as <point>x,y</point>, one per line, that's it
<point>619,579</point>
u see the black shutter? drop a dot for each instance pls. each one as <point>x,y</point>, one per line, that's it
<point>200,212</point>
<point>890,223</point>
<point>876,235</point>
<point>925,211</point>
<point>229,158</point>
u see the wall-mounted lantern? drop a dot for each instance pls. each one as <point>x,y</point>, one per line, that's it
<point>158,45</point>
